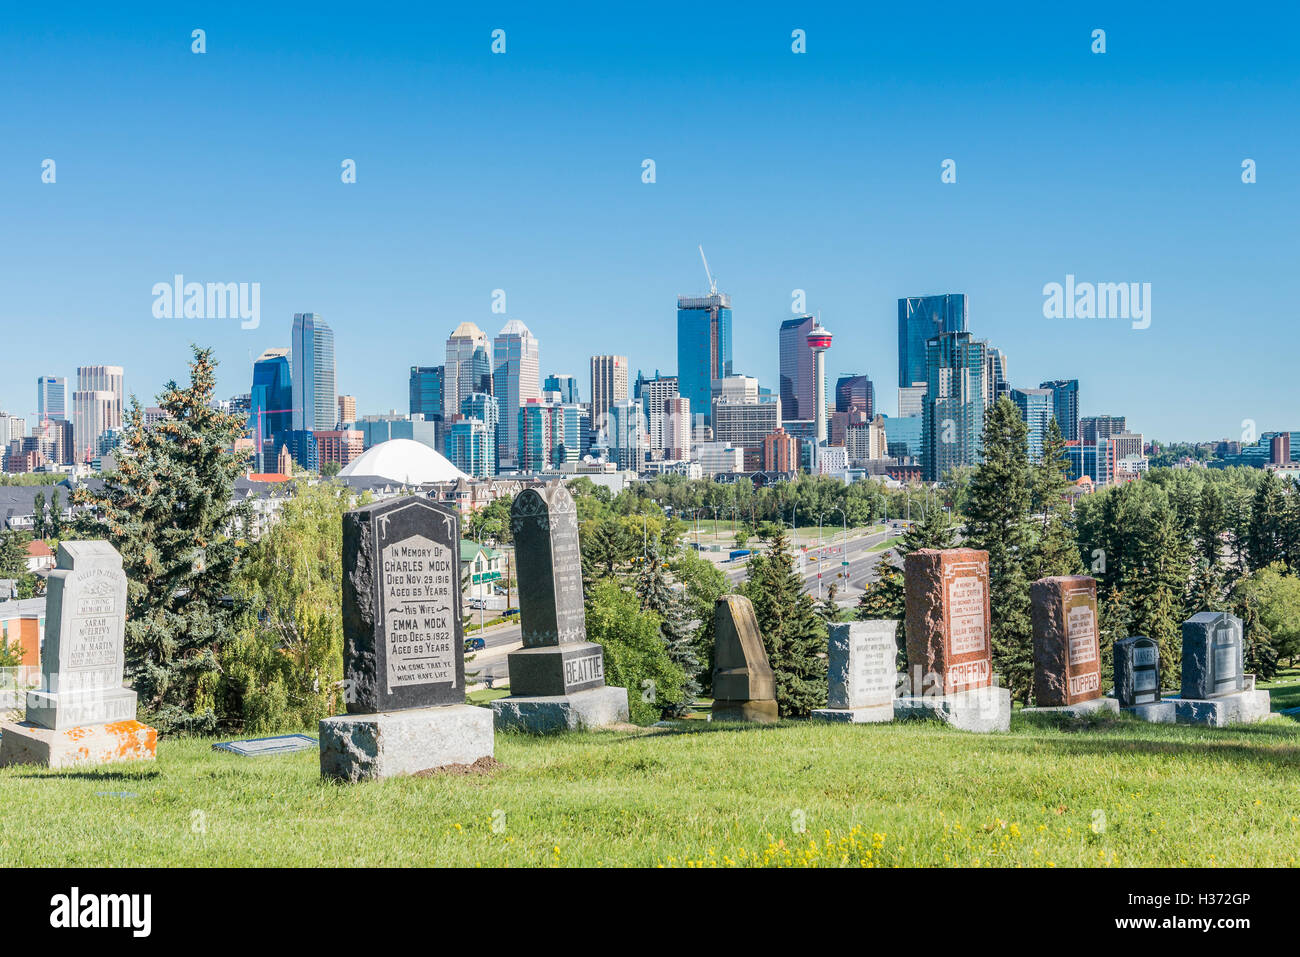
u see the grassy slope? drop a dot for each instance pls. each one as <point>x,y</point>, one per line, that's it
<point>882,794</point>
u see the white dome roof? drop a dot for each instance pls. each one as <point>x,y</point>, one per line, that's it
<point>405,461</point>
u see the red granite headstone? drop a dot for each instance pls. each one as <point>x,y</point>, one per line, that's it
<point>1067,659</point>
<point>948,623</point>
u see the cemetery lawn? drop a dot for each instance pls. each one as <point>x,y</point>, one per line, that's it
<point>1120,793</point>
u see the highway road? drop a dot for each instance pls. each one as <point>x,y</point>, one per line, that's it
<point>862,552</point>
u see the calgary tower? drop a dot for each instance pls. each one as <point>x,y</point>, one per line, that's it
<point>819,340</point>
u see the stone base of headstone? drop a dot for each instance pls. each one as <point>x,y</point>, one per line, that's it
<point>762,711</point>
<point>546,714</point>
<point>556,669</point>
<point>364,747</point>
<point>872,715</point>
<point>1156,712</point>
<point>1244,707</point>
<point>1080,710</point>
<point>981,709</point>
<point>71,709</point>
<point>27,743</point>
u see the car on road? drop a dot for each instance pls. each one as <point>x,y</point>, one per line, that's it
<point>475,644</point>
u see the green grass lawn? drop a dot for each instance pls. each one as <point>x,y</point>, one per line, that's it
<point>1115,792</point>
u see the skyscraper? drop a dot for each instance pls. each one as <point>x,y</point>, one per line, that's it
<point>656,395</point>
<point>515,379</point>
<point>954,403</point>
<point>426,392</point>
<point>627,434</point>
<point>853,392</point>
<point>485,408</point>
<point>797,368</point>
<point>1035,407</point>
<point>51,397</point>
<point>608,387</point>
<point>468,367</point>
<point>996,384</point>
<point>703,347</point>
<point>565,385</point>
<point>270,407</point>
<point>920,319</point>
<point>96,408</point>
<point>311,356</point>
<point>347,409</point>
<point>1065,405</point>
<point>819,340</point>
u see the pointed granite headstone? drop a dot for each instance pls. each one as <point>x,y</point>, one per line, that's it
<point>744,688</point>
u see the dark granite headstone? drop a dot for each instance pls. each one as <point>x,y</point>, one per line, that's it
<point>1213,655</point>
<point>403,646</point>
<point>557,658</point>
<point>1067,658</point>
<point>1137,671</point>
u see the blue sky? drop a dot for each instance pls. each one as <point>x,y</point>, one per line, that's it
<point>522,172</point>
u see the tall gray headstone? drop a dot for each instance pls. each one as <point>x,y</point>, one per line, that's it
<point>557,681</point>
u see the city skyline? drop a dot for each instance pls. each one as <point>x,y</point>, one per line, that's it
<point>1114,168</point>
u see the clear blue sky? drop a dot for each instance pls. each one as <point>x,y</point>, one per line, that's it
<point>523,172</point>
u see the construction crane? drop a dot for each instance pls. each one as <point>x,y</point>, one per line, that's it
<point>713,286</point>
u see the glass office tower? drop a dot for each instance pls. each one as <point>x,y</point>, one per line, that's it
<point>703,347</point>
<point>920,319</point>
<point>954,403</point>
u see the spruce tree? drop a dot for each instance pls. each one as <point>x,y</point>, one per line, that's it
<point>998,522</point>
<point>1156,584</point>
<point>56,516</point>
<point>1261,656</point>
<point>1211,522</point>
<point>674,625</point>
<point>1113,627</point>
<point>168,510</point>
<point>934,530</point>
<point>793,634</point>
<point>1267,517</point>
<point>40,524</point>
<point>1056,550</point>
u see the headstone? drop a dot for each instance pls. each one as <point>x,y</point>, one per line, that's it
<point>946,596</point>
<point>403,647</point>
<point>557,681</point>
<point>744,688</point>
<point>258,747</point>
<point>1137,671</point>
<point>1215,690</point>
<point>82,714</point>
<point>1213,655</point>
<point>1067,656</point>
<point>862,672</point>
<point>949,642</point>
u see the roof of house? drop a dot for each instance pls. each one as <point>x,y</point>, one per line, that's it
<point>468,550</point>
<point>38,549</point>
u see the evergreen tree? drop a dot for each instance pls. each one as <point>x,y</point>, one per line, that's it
<point>1267,517</point>
<point>1261,656</point>
<point>705,583</point>
<point>934,530</point>
<point>56,516</point>
<point>1211,522</point>
<point>1113,627</point>
<point>1156,582</point>
<point>39,522</point>
<point>168,510</point>
<point>998,522</point>
<point>1056,551</point>
<point>13,562</point>
<point>794,636</point>
<point>674,625</point>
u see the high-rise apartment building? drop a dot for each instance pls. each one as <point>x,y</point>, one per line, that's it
<point>347,409</point>
<point>471,448</point>
<point>1094,428</point>
<point>954,403</point>
<point>485,408</point>
<point>797,368</point>
<point>628,439</point>
<point>920,319</point>
<point>51,397</point>
<point>608,387</point>
<point>996,383</point>
<point>311,356</point>
<point>703,347</point>
<point>780,452</point>
<point>677,430</point>
<point>515,379</point>
<point>656,396</point>
<point>1035,407</point>
<point>1065,405</point>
